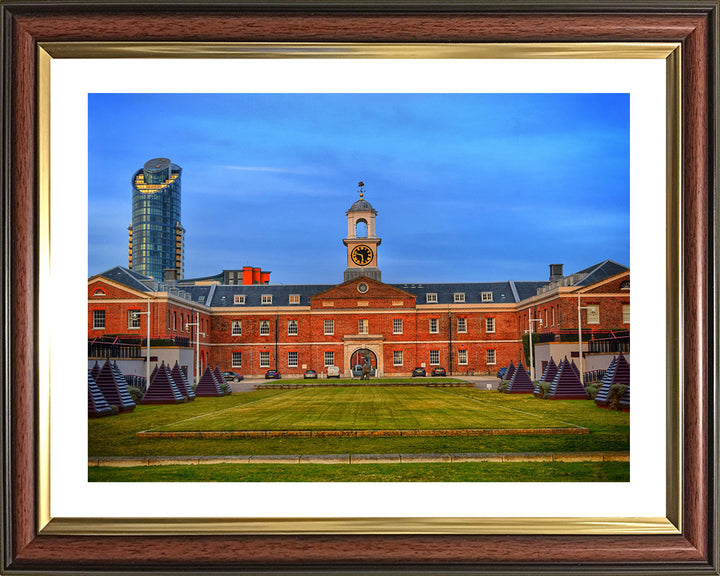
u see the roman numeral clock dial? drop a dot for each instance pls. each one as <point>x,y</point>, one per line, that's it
<point>362,255</point>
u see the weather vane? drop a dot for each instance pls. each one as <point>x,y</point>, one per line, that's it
<point>360,185</point>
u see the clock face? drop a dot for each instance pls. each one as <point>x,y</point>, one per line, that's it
<point>362,255</point>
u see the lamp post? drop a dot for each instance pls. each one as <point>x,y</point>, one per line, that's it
<point>531,320</point>
<point>147,342</point>
<point>197,345</point>
<point>582,367</point>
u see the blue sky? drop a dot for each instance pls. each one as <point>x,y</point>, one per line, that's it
<point>468,187</point>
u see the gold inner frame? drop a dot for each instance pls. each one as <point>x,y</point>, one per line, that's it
<point>670,52</point>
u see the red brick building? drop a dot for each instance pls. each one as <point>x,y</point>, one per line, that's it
<point>462,327</point>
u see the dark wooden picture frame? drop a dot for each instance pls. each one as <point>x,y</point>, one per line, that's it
<point>27,24</point>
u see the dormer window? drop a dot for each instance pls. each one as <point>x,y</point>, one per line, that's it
<point>486,296</point>
<point>431,298</point>
<point>294,299</point>
<point>266,299</point>
<point>459,297</point>
<point>239,299</point>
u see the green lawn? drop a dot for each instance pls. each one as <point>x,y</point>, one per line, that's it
<point>373,408</point>
<point>460,472</point>
<point>116,435</point>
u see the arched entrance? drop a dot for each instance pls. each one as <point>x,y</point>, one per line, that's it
<point>357,359</point>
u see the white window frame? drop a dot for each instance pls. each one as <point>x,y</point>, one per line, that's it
<point>294,299</point>
<point>486,296</point>
<point>462,325</point>
<point>626,313</point>
<point>292,359</point>
<point>97,325</point>
<point>266,299</point>
<point>328,327</point>
<point>490,356</point>
<point>593,314</point>
<point>264,328</point>
<point>397,326</point>
<point>436,322</point>
<point>458,297</point>
<point>462,357</point>
<point>239,299</point>
<point>236,328</point>
<point>292,328</point>
<point>133,319</point>
<point>436,361</point>
<point>236,359</point>
<point>397,357</point>
<point>264,359</point>
<point>431,298</point>
<point>363,326</point>
<point>329,358</point>
<point>490,325</point>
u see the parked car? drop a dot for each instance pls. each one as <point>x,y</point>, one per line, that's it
<point>333,372</point>
<point>272,374</point>
<point>310,374</point>
<point>419,371</point>
<point>501,372</point>
<point>438,372</point>
<point>232,376</point>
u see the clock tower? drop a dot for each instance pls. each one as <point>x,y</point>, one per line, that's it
<point>361,241</point>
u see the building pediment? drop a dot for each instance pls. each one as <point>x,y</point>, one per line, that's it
<point>363,292</point>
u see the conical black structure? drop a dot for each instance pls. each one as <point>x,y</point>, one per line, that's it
<point>97,405</point>
<point>625,401</point>
<point>208,385</point>
<point>162,389</point>
<point>152,375</point>
<point>114,389</point>
<point>95,370</point>
<point>575,368</point>
<point>181,382</point>
<point>509,372</point>
<point>221,379</point>
<point>520,382</point>
<point>617,373</point>
<point>548,375</point>
<point>566,385</point>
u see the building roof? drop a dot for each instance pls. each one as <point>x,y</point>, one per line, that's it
<point>223,295</point>
<point>362,205</point>
<point>600,272</point>
<point>129,278</point>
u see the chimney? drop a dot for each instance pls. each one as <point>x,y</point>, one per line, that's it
<point>170,276</point>
<point>556,272</point>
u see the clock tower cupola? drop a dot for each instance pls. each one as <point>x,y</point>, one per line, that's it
<point>361,241</point>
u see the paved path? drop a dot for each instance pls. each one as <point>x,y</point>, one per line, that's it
<point>126,462</point>
<point>481,382</point>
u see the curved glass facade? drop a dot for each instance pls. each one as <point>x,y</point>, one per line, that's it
<point>157,235</point>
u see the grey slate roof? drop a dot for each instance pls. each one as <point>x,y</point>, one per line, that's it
<point>219,295</point>
<point>600,271</point>
<point>362,206</point>
<point>129,278</point>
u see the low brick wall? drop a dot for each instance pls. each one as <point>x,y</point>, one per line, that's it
<point>360,383</point>
<point>234,434</point>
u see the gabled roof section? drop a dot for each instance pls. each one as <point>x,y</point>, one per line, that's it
<point>128,278</point>
<point>600,272</point>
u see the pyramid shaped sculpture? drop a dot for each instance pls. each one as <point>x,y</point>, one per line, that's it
<point>520,382</point>
<point>95,370</point>
<point>566,385</point>
<point>114,389</point>
<point>617,373</point>
<point>181,382</point>
<point>548,375</point>
<point>625,401</point>
<point>152,375</point>
<point>162,389</point>
<point>510,371</point>
<point>97,405</point>
<point>575,368</point>
<point>208,385</point>
<point>221,379</point>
